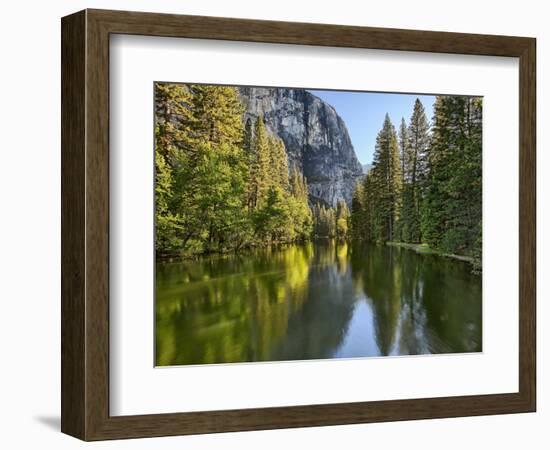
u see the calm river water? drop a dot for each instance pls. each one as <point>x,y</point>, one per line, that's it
<point>312,301</point>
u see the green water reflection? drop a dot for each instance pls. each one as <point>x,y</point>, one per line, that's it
<point>313,301</point>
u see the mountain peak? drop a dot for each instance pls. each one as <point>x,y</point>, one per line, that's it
<point>315,137</point>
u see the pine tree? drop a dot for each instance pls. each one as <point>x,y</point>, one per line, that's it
<point>403,226</point>
<point>281,165</point>
<point>298,184</point>
<point>259,169</point>
<point>198,136</point>
<point>302,216</point>
<point>451,218</point>
<point>404,148</point>
<point>218,114</point>
<point>370,198</point>
<point>248,137</point>
<point>415,173</point>
<point>342,220</point>
<point>419,141</point>
<point>387,181</point>
<point>173,150</point>
<point>212,193</point>
<point>166,222</point>
<point>173,120</point>
<point>331,222</point>
<point>222,180</point>
<point>357,216</point>
<point>428,184</point>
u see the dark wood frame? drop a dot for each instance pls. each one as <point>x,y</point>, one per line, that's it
<point>85,224</point>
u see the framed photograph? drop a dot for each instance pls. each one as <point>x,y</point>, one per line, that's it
<point>272,225</point>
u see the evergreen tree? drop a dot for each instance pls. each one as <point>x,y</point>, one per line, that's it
<point>414,161</point>
<point>387,181</point>
<point>298,184</point>
<point>419,141</point>
<point>451,218</point>
<point>211,192</point>
<point>281,211</point>
<point>322,227</point>
<point>174,118</point>
<point>259,170</point>
<point>302,216</point>
<point>403,226</point>
<point>218,200</point>
<point>331,222</point>
<point>173,151</point>
<point>358,220</point>
<point>404,148</point>
<point>200,166</point>
<point>362,208</point>
<point>280,162</point>
<point>248,137</point>
<point>222,181</point>
<point>342,220</point>
<point>166,236</point>
<point>271,219</point>
<point>370,198</point>
<point>218,114</point>
<point>429,184</point>
<point>326,222</point>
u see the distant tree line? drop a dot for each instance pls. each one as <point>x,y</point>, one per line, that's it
<point>221,183</point>
<point>425,182</point>
<point>332,222</point>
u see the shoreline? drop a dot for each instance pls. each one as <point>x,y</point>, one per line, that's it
<point>221,254</point>
<point>423,249</point>
<point>238,251</point>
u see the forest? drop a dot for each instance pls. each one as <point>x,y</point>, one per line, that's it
<point>425,184</point>
<point>227,184</point>
<point>223,181</point>
<point>221,184</point>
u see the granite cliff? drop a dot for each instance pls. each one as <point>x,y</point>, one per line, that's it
<point>315,137</point>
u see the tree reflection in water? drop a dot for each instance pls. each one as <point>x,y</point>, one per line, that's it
<point>313,301</point>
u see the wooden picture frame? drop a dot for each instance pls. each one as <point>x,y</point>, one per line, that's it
<point>85,224</point>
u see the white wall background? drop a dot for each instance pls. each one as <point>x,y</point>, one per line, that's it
<point>30,224</point>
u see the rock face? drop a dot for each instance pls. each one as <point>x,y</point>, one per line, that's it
<point>315,137</point>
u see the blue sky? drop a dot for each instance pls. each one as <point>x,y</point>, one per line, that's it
<point>364,112</point>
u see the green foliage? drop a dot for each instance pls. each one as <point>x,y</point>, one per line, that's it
<point>221,183</point>
<point>343,218</point>
<point>259,166</point>
<point>427,187</point>
<point>218,114</point>
<point>452,208</point>
<point>332,222</point>
<point>358,219</point>
<point>167,222</point>
<point>278,163</point>
<point>414,143</point>
<point>281,211</point>
<point>271,219</point>
<point>379,197</point>
<point>300,212</point>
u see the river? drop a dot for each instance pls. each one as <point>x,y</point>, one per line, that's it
<point>313,301</point>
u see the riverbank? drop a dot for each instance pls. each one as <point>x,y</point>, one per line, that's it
<point>221,253</point>
<point>424,249</point>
